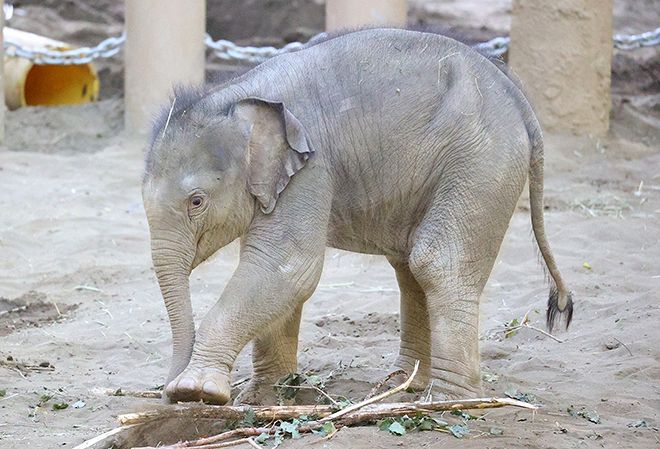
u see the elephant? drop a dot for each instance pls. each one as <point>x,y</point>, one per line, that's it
<point>390,142</point>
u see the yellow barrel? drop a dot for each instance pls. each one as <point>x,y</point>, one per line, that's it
<point>30,84</point>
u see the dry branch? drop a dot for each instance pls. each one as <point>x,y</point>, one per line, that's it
<point>377,398</point>
<point>369,413</point>
<point>365,411</point>
<point>202,411</point>
<point>285,412</point>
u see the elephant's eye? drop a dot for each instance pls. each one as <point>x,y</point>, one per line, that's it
<point>196,204</point>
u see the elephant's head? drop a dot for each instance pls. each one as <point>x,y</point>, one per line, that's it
<point>208,171</point>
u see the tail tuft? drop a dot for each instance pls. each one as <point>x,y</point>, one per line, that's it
<point>560,304</point>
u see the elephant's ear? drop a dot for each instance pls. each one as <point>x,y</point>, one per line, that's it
<point>277,148</point>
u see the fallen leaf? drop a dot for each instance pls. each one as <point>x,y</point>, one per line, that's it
<point>396,428</point>
<point>458,430</point>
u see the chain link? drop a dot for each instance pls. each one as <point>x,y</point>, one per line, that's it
<point>495,47</point>
<point>630,42</point>
<point>229,51</point>
<point>84,55</point>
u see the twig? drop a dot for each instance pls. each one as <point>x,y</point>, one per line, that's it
<point>149,394</point>
<point>624,345</point>
<point>524,322</point>
<point>20,367</point>
<point>547,334</point>
<point>87,287</point>
<point>377,398</point>
<point>380,383</point>
<point>309,387</point>
<point>214,441</point>
<point>15,309</point>
<point>253,443</point>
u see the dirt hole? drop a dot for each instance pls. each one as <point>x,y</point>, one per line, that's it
<point>33,309</point>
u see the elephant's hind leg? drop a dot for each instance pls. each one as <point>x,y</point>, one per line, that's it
<point>454,250</point>
<point>415,331</point>
<point>274,355</point>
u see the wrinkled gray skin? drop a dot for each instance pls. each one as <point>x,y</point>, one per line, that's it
<point>390,142</point>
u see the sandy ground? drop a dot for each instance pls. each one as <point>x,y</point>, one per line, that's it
<point>74,249</point>
<point>73,238</point>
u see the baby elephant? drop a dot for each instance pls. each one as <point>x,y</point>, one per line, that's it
<point>391,142</point>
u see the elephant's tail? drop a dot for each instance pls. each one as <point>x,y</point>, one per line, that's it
<point>560,301</point>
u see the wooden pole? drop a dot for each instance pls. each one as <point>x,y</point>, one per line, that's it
<point>164,47</point>
<point>562,52</point>
<point>341,14</point>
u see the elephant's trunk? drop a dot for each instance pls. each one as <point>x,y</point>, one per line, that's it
<point>173,266</point>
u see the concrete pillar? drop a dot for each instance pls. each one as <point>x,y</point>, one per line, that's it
<point>353,14</point>
<point>2,75</point>
<point>562,51</point>
<point>164,47</point>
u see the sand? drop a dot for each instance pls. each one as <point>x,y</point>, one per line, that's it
<point>75,268</point>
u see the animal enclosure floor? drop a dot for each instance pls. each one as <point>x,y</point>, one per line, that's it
<point>74,250</point>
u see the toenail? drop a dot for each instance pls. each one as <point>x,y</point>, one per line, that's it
<point>211,388</point>
<point>187,383</point>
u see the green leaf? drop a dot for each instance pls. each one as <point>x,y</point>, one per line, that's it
<point>314,380</point>
<point>513,393</point>
<point>638,424</point>
<point>45,398</point>
<point>466,416</point>
<point>586,265</point>
<point>384,424</point>
<point>262,438</point>
<point>282,388</point>
<point>328,428</point>
<point>249,418</point>
<point>510,328</point>
<point>3,392</point>
<point>490,377</point>
<point>291,428</point>
<point>426,423</point>
<point>458,430</point>
<point>396,428</point>
<point>592,416</point>
<point>496,431</point>
<point>60,406</point>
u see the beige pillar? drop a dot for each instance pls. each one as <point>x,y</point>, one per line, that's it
<point>2,75</point>
<point>562,51</point>
<point>353,14</point>
<point>164,47</point>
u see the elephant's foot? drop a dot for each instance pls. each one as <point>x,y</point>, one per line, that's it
<point>258,392</point>
<point>451,386</point>
<point>194,384</point>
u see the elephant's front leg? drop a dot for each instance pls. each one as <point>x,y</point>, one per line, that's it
<point>262,291</point>
<point>274,355</point>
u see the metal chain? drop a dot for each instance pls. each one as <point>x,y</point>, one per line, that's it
<point>495,47</point>
<point>630,42</point>
<point>84,55</point>
<point>229,51</point>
